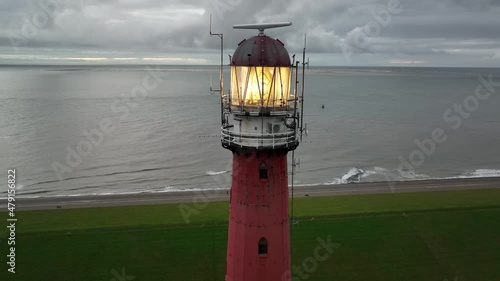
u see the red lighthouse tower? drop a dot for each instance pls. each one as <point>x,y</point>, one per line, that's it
<point>260,122</point>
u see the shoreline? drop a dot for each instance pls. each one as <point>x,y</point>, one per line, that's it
<point>176,197</point>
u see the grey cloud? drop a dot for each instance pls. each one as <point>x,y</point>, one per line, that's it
<point>154,27</point>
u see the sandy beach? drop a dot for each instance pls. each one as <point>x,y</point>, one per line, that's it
<point>91,201</point>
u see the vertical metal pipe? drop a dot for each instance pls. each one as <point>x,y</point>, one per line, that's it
<point>303,83</point>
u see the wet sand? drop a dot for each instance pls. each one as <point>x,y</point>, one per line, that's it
<point>223,195</point>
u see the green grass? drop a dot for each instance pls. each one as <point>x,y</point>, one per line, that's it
<point>417,236</point>
<point>217,212</point>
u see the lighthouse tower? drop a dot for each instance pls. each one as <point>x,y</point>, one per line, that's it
<point>259,126</point>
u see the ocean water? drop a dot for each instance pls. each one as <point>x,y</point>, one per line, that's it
<point>377,124</point>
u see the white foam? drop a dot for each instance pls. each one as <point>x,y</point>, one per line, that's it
<point>405,175</point>
<point>212,173</point>
<point>411,175</point>
<point>481,173</point>
<point>166,189</point>
<point>356,175</point>
<point>362,174</point>
<point>353,173</point>
<point>311,184</point>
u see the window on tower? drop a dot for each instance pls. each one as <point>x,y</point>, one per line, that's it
<point>263,246</point>
<point>263,171</point>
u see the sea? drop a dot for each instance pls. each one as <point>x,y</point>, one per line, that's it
<point>96,130</point>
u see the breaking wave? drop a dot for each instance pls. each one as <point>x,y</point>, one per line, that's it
<point>358,175</point>
<point>480,173</point>
<point>352,176</point>
<point>212,173</point>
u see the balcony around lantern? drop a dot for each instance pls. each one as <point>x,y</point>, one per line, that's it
<point>265,132</point>
<point>262,90</point>
<point>286,140</point>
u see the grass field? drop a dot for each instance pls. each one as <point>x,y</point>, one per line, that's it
<point>414,236</point>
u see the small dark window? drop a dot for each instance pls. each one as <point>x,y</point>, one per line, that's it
<point>263,171</point>
<point>263,246</point>
<point>276,129</point>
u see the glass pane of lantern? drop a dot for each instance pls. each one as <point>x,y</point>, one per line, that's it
<point>260,86</point>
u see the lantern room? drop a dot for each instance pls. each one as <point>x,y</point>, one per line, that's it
<point>260,110</point>
<point>260,76</point>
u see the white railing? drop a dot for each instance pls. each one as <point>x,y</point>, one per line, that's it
<point>287,139</point>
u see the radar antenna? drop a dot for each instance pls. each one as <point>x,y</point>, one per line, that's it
<point>262,26</point>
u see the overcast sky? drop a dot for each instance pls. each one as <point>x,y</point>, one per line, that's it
<point>339,32</point>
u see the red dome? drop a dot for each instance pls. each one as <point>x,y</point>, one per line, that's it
<point>261,50</point>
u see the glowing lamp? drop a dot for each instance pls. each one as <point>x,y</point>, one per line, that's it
<point>260,76</point>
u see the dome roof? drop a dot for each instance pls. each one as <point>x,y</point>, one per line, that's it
<point>261,50</point>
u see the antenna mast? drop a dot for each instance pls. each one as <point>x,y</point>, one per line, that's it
<point>221,74</point>
<point>303,87</point>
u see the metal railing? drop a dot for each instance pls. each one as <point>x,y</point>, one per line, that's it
<point>259,141</point>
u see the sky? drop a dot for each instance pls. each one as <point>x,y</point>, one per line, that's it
<point>450,33</point>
